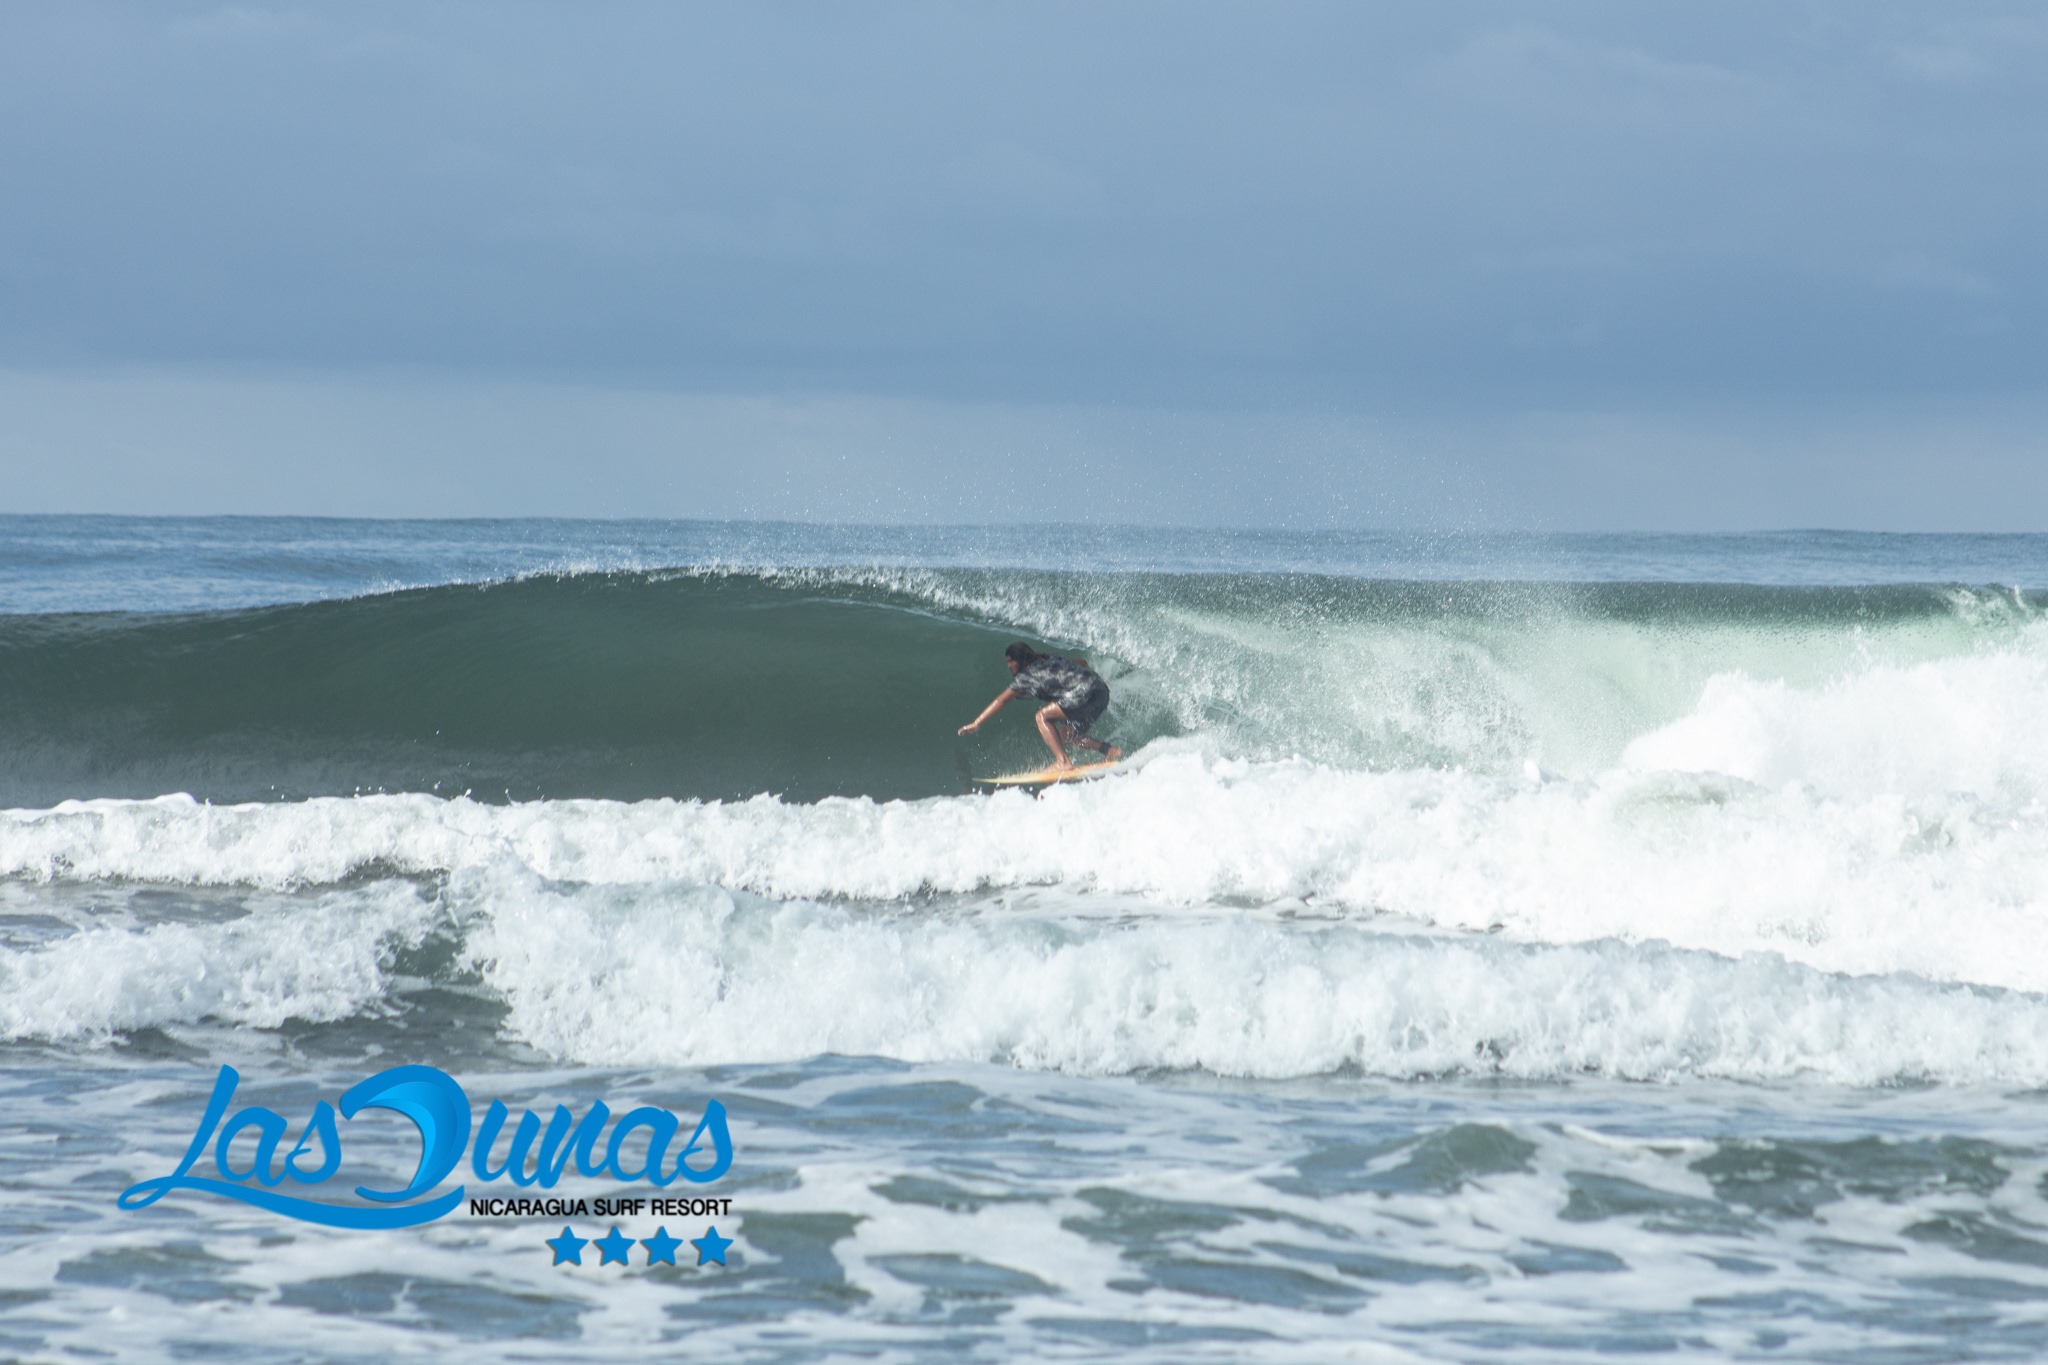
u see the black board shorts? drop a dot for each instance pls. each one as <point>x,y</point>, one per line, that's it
<point>1084,710</point>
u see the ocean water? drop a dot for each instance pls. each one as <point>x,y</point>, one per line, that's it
<point>1507,948</point>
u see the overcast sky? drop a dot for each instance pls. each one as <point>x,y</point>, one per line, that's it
<point>1630,265</point>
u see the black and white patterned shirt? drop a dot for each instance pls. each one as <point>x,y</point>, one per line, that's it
<point>1052,678</point>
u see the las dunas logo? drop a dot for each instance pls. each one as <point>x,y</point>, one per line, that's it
<point>641,1145</point>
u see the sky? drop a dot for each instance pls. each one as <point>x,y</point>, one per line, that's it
<point>1605,265</point>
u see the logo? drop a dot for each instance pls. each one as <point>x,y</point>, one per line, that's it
<point>246,1167</point>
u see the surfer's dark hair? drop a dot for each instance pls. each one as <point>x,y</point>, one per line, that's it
<point>1021,654</point>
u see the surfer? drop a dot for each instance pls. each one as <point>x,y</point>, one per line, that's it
<point>1075,697</point>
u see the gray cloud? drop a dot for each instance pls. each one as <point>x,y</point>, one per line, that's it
<point>1560,264</point>
<point>1248,203</point>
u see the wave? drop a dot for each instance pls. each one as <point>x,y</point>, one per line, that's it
<point>622,686</point>
<point>700,816</point>
<point>1945,885</point>
<point>321,961</point>
<point>701,978</point>
<point>693,975</point>
<point>813,683</point>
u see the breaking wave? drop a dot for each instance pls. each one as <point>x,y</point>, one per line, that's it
<point>1398,828</point>
<point>816,683</point>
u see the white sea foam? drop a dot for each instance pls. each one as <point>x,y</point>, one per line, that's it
<point>1977,724</point>
<point>1944,885</point>
<point>607,977</point>
<point>678,974</point>
<point>321,960</point>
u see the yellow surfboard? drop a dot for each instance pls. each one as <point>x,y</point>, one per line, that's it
<point>1046,777</point>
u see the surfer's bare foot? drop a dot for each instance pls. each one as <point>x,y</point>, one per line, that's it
<point>1112,753</point>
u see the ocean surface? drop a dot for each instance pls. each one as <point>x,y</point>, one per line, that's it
<point>1499,948</point>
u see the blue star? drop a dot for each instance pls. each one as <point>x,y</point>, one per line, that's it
<point>711,1247</point>
<point>661,1246</point>
<point>568,1247</point>
<point>613,1248</point>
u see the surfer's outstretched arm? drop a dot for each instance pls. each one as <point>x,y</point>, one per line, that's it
<point>1003,698</point>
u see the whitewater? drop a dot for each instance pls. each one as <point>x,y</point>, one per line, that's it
<point>1496,947</point>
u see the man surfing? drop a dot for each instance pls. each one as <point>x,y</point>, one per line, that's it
<point>1075,697</point>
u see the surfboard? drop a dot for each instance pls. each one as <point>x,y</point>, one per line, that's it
<point>1046,777</point>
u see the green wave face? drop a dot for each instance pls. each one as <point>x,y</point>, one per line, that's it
<point>821,683</point>
<point>612,686</point>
